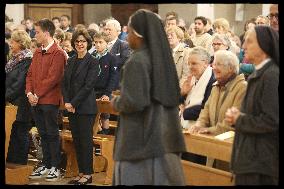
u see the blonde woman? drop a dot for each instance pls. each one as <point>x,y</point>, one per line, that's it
<point>16,71</point>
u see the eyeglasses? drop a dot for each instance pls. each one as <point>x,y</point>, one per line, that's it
<point>218,64</point>
<point>80,41</point>
<point>270,16</point>
<point>217,44</point>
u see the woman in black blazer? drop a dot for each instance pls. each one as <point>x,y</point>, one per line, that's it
<point>79,97</point>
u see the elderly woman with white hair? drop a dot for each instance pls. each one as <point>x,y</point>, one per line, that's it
<point>197,88</point>
<point>227,91</point>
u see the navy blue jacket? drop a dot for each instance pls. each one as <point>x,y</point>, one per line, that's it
<point>121,51</point>
<point>108,75</point>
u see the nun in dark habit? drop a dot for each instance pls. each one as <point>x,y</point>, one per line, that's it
<point>255,153</point>
<point>149,140</point>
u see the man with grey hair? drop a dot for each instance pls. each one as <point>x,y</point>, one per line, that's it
<point>116,47</point>
<point>273,17</point>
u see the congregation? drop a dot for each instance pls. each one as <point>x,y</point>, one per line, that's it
<point>203,79</point>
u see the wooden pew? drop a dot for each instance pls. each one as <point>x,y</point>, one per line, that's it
<point>209,146</point>
<point>72,166</point>
<point>14,174</point>
<point>106,143</point>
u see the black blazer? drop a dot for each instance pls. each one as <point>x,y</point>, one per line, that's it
<point>121,51</point>
<point>80,91</point>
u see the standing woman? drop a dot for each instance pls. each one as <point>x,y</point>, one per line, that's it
<point>149,140</point>
<point>16,71</point>
<point>255,153</point>
<point>80,101</point>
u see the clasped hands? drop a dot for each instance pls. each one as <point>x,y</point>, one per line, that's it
<point>33,99</point>
<point>69,107</point>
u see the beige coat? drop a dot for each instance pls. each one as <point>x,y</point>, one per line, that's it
<point>181,59</point>
<point>213,115</point>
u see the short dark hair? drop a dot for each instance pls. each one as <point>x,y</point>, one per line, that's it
<point>202,18</point>
<point>55,18</point>
<point>46,25</point>
<point>85,34</point>
<point>65,15</point>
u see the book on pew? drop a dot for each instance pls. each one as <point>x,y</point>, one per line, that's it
<point>225,135</point>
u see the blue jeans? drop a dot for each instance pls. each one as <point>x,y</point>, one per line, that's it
<point>45,117</point>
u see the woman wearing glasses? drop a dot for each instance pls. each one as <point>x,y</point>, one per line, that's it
<point>79,97</point>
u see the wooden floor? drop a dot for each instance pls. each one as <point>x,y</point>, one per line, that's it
<point>98,178</point>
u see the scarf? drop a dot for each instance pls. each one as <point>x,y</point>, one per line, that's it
<point>98,55</point>
<point>16,59</point>
<point>196,95</point>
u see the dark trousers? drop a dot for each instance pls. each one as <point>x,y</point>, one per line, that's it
<point>82,133</point>
<point>19,139</point>
<point>45,117</point>
<point>255,179</point>
<point>19,143</point>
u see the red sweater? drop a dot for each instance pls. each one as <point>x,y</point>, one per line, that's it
<point>45,75</point>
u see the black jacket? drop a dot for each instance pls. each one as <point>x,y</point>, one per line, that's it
<point>79,91</point>
<point>16,83</point>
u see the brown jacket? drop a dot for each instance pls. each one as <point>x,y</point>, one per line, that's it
<point>212,115</point>
<point>45,75</point>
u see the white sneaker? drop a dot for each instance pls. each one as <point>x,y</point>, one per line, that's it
<point>53,174</point>
<point>39,172</point>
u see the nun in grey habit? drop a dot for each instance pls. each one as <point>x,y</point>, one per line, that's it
<point>148,140</point>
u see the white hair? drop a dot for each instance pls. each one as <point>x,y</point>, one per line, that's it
<point>115,23</point>
<point>228,58</point>
<point>94,26</point>
<point>201,52</point>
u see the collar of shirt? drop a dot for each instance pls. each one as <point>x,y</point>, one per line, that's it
<point>112,42</point>
<point>259,66</point>
<point>48,46</point>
